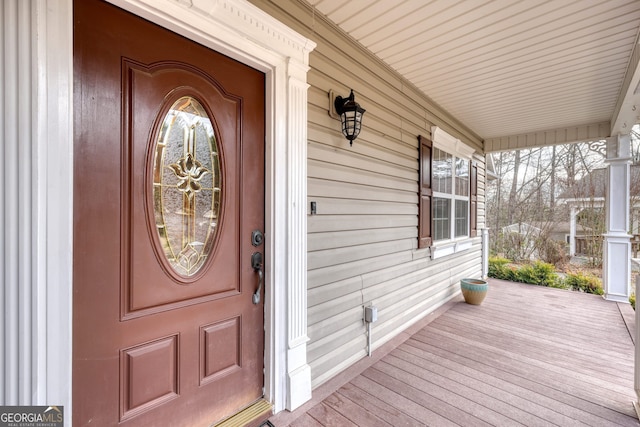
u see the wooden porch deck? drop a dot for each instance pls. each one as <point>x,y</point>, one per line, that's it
<point>528,355</point>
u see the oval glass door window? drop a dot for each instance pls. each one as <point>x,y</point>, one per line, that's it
<point>186,186</point>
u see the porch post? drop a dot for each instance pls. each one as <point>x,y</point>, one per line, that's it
<point>37,221</point>
<point>636,368</point>
<point>298,370</point>
<point>572,231</point>
<point>616,269</point>
<point>485,252</point>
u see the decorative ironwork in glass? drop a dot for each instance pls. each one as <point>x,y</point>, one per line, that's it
<point>186,186</point>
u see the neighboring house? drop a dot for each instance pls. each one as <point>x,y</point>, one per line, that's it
<point>561,231</point>
<point>529,232</point>
<point>522,238</point>
<point>187,231</point>
<point>558,231</point>
<point>587,196</point>
<point>522,228</point>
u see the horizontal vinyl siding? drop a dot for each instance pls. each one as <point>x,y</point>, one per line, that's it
<point>362,241</point>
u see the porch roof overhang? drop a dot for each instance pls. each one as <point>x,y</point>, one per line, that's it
<point>516,74</point>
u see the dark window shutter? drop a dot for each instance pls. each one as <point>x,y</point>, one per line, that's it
<point>473,200</point>
<point>425,193</point>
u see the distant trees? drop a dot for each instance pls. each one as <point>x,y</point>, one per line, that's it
<point>527,192</point>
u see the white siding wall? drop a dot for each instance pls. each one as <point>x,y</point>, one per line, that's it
<point>362,243</point>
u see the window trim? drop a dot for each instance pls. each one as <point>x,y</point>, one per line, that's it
<point>450,247</point>
<point>449,143</point>
<point>453,198</point>
<point>446,142</point>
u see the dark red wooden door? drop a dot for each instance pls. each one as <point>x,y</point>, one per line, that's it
<point>169,186</point>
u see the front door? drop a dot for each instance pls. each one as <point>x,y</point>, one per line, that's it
<point>168,219</point>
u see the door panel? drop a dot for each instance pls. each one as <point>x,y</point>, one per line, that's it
<point>147,266</point>
<point>169,185</point>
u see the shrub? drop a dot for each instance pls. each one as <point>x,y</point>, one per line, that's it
<point>632,300</point>
<point>498,261</point>
<point>538,273</point>
<point>499,268</point>
<point>584,283</point>
<point>544,274</point>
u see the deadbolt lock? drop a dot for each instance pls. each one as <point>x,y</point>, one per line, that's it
<point>257,238</point>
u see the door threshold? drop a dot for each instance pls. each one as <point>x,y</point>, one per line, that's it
<point>254,415</point>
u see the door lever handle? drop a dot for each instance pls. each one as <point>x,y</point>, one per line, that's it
<point>256,264</point>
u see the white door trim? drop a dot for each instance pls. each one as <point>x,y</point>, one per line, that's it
<point>242,31</point>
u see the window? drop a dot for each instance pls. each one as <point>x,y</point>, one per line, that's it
<point>450,214</point>
<point>448,191</point>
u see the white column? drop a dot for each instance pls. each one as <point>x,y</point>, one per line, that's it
<point>636,381</point>
<point>485,252</point>
<point>55,201</point>
<point>36,220</point>
<point>616,269</point>
<point>298,371</point>
<point>572,231</point>
<point>15,225</point>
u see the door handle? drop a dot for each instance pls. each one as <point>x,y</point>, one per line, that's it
<point>256,264</point>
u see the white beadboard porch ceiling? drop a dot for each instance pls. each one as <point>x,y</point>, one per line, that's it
<point>508,67</point>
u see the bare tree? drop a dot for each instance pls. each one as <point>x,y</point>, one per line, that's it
<point>529,191</point>
<point>526,193</point>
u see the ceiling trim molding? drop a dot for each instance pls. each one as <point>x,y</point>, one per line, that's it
<point>568,135</point>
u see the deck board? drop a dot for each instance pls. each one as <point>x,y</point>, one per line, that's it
<point>528,356</point>
<point>531,395</point>
<point>377,407</point>
<point>306,420</point>
<point>505,404</point>
<point>541,351</point>
<point>355,413</point>
<point>562,340</point>
<point>565,380</point>
<point>552,387</point>
<point>420,409</point>
<point>328,416</point>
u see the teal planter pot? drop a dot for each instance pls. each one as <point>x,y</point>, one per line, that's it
<point>474,290</point>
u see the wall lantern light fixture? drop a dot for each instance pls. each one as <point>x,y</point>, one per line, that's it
<point>350,115</point>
